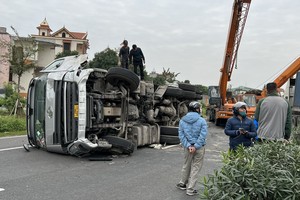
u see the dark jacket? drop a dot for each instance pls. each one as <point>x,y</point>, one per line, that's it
<point>232,130</point>
<point>136,55</point>
<point>124,53</point>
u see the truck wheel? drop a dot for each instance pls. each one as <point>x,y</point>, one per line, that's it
<point>189,94</point>
<point>208,115</point>
<point>169,130</point>
<point>169,139</point>
<point>186,86</point>
<point>217,122</point>
<point>120,145</point>
<point>174,92</point>
<point>118,75</point>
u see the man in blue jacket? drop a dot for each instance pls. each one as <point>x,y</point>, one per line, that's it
<point>192,134</point>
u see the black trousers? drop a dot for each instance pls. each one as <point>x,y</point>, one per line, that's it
<point>124,64</point>
<point>140,64</point>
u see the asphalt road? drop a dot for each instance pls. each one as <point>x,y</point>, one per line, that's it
<point>148,174</point>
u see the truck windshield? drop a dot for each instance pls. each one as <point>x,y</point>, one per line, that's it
<point>54,65</point>
<point>39,110</point>
<point>250,100</point>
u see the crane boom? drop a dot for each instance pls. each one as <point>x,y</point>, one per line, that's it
<point>219,110</point>
<point>289,72</point>
<point>238,19</point>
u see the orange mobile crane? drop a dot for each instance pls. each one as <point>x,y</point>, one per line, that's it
<point>219,110</point>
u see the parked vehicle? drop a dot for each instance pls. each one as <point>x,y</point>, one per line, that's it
<point>75,110</point>
<point>296,102</point>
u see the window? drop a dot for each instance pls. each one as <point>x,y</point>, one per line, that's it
<point>67,46</point>
<point>43,33</point>
<point>63,35</point>
<point>55,64</point>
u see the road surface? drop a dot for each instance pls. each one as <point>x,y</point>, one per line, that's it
<point>148,174</point>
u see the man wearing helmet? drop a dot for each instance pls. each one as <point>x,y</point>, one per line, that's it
<point>240,128</point>
<point>192,134</point>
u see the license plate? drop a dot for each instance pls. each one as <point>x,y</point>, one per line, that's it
<point>76,110</point>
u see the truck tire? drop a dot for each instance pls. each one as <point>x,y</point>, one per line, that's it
<point>122,145</point>
<point>169,139</point>
<point>169,130</point>
<point>189,94</point>
<point>186,86</point>
<point>174,92</point>
<point>117,75</point>
<point>210,115</point>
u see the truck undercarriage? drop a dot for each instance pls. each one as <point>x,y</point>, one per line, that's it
<point>77,110</point>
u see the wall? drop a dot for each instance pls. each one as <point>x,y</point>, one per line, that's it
<point>4,64</point>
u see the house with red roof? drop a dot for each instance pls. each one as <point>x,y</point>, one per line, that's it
<point>49,45</point>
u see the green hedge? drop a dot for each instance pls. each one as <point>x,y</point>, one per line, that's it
<point>11,123</point>
<point>265,171</point>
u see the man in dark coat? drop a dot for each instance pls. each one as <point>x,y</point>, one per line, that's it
<point>240,129</point>
<point>136,57</point>
<point>123,54</point>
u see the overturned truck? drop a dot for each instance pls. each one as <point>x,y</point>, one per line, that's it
<point>73,109</point>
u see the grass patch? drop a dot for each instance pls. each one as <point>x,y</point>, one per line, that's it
<point>12,126</point>
<point>12,133</point>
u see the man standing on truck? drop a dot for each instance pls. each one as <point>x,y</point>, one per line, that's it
<point>192,134</point>
<point>136,57</point>
<point>124,54</point>
<point>273,114</point>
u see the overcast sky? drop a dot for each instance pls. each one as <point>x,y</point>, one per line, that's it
<point>188,37</point>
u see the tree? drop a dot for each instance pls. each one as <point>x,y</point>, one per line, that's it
<point>169,76</point>
<point>105,59</point>
<point>66,53</point>
<point>201,89</point>
<point>22,55</point>
<point>159,80</point>
<point>21,59</point>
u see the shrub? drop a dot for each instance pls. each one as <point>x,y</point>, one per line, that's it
<point>265,171</point>
<point>296,135</point>
<point>11,96</point>
<point>11,123</point>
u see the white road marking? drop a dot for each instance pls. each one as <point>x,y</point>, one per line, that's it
<point>2,189</point>
<point>13,148</point>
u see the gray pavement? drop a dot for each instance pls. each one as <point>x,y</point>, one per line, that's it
<point>148,174</point>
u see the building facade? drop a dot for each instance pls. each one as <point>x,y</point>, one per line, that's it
<point>48,45</point>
